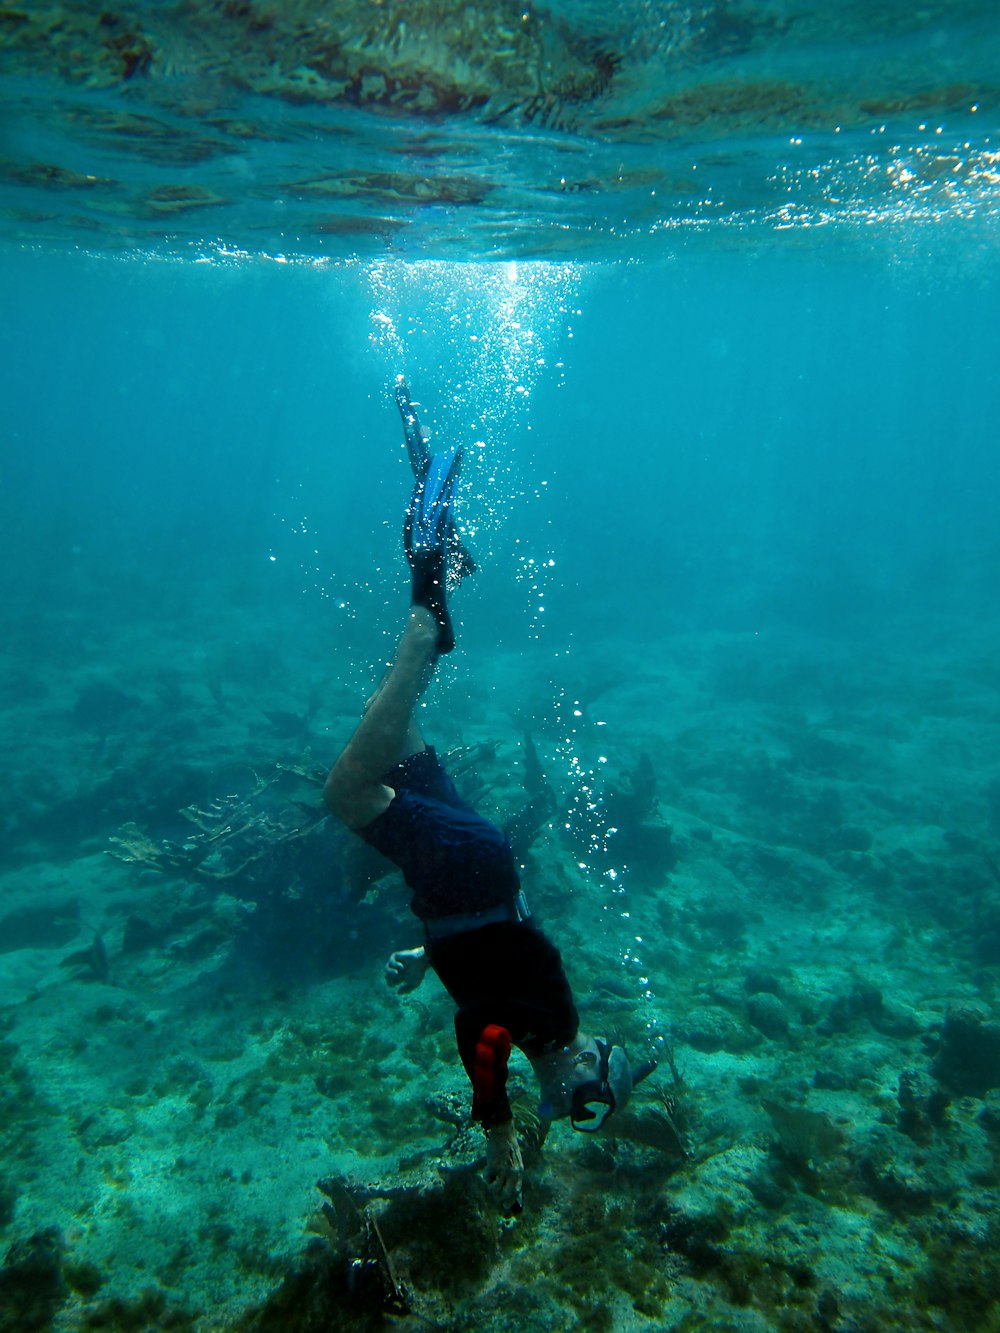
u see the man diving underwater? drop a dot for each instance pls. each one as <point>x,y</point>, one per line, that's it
<point>504,974</point>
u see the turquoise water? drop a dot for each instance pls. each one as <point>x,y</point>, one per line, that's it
<point>803,439</point>
<point>731,478</point>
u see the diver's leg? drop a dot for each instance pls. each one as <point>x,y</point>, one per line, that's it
<point>355,791</point>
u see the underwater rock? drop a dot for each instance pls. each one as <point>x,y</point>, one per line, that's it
<point>440,1227</point>
<point>961,1277</point>
<point>140,934</point>
<point>708,1203</point>
<point>864,1001</point>
<point>760,982</point>
<point>899,1187</point>
<point>448,1236</point>
<point>922,1105</point>
<point>290,726</point>
<point>989,1116</point>
<point>148,1309</point>
<point>697,1236</point>
<point>893,1019</point>
<point>523,827</point>
<point>768,1015</point>
<point>91,963</point>
<point>725,924</point>
<point>968,1060</point>
<point>834,1080</point>
<point>770,1193</point>
<point>944,1165</point>
<point>890,1175</point>
<point>451,1108</point>
<point>647,849</point>
<point>629,804</point>
<point>102,707</point>
<point>85,1278</point>
<point>708,1028</point>
<point>727,992</point>
<point>848,838</point>
<point>31,1283</point>
<point>808,1138</point>
<point>369,1271</point>
<point>621,826</point>
<point>105,1128</point>
<point>40,927</point>
<point>986,933</point>
<point>614,986</point>
<point>867,1002</point>
<point>956,840</point>
<point>654,1127</point>
<point>320,1292</point>
<point>8,1201</point>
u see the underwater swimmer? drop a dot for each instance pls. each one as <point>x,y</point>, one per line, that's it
<point>504,974</point>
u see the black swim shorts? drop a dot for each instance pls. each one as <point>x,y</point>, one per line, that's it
<point>453,859</point>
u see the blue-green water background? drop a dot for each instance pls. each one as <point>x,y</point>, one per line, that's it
<point>731,476</point>
<point>789,437</point>
<point>735,510</point>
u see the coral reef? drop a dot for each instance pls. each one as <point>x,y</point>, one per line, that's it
<point>817,1150</point>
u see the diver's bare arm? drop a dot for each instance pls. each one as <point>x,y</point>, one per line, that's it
<point>504,1166</point>
<point>354,790</point>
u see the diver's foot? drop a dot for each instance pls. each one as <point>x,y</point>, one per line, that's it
<point>429,591</point>
<point>436,556</point>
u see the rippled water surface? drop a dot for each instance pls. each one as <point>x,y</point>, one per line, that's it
<point>489,129</point>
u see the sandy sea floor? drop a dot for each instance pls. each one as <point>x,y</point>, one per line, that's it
<point>803,919</point>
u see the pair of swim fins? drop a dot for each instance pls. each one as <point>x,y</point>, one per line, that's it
<point>430,521</point>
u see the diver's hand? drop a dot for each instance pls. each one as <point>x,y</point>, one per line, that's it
<point>504,1166</point>
<point>405,969</point>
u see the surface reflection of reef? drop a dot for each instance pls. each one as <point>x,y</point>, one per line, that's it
<point>500,111</point>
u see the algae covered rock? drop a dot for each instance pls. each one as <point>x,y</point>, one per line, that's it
<point>709,1028</point>
<point>863,1002</point>
<point>894,1019</point>
<point>759,981</point>
<point>849,838</point>
<point>31,1283</point>
<point>968,1060</point>
<point>989,1116</point>
<point>105,1128</point>
<point>898,1185</point>
<point>8,1200</point>
<point>986,929</point>
<point>807,1137</point>
<point>768,1015</point>
<point>922,1105</point>
<point>719,1196</point>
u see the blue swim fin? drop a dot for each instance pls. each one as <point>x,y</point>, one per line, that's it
<point>429,517</point>
<point>416,445</point>
<point>461,562</point>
